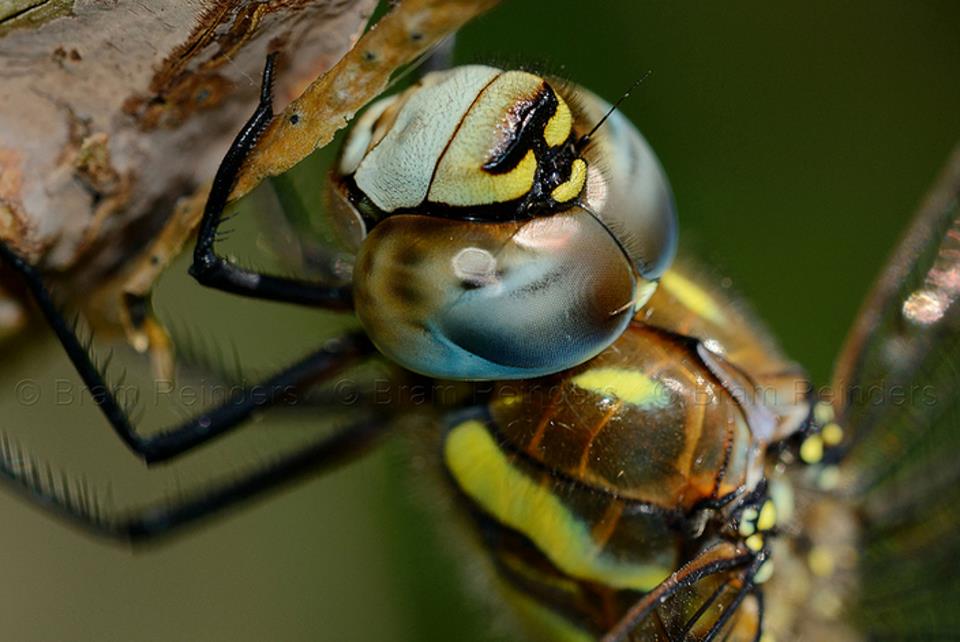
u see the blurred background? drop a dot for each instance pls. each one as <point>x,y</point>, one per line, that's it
<point>798,138</point>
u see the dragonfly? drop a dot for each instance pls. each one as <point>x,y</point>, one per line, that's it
<point>653,534</point>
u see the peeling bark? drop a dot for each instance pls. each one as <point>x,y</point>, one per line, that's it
<point>29,13</point>
<point>111,112</point>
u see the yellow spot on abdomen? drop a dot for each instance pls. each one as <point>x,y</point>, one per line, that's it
<point>811,450</point>
<point>764,573</point>
<point>768,516</point>
<point>485,474</point>
<point>781,492</point>
<point>692,296</point>
<point>821,561</point>
<point>823,412</point>
<point>626,385</point>
<point>755,542</point>
<point>832,434</point>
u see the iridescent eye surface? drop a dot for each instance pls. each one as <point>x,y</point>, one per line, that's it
<point>493,241</point>
<point>499,300</point>
<point>628,189</point>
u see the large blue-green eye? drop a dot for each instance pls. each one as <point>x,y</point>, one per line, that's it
<point>629,191</point>
<point>464,300</point>
<point>493,244</point>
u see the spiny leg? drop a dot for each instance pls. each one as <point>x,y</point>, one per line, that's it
<point>80,506</point>
<point>324,363</point>
<point>216,272</point>
<point>77,504</point>
<point>212,270</point>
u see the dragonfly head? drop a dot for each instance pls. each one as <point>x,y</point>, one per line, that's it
<point>498,236</point>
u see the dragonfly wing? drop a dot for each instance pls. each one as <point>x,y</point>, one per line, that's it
<point>899,384</point>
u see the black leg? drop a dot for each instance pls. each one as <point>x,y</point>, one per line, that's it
<point>734,564</point>
<point>322,364</point>
<point>79,506</point>
<point>214,271</point>
<point>76,503</point>
<point>82,508</point>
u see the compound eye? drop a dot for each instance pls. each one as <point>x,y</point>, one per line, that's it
<point>628,190</point>
<point>460,300</point>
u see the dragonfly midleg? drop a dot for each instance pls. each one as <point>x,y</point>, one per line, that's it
<point>216,272</point>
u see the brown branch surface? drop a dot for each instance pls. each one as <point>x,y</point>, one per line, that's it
<point>328,104</point>
<point>111,111</point>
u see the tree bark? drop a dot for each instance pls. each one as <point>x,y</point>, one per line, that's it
<point>111,111</point>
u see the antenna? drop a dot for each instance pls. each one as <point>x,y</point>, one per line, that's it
<point>586,137</point>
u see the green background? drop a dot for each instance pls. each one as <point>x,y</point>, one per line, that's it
<point>798,137</point>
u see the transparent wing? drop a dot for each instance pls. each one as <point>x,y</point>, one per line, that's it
<point>899,387</point>
<point>897,378</point>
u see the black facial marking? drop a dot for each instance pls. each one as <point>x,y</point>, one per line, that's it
<point>533,119</point>
<point>554,167</point>
<point>554,164</point>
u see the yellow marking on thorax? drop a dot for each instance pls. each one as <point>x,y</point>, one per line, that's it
<point>692,296</point>
<point>626,385</point>
<point>559,126</point>
<point>520,567</point>
<point>571,188</point>
<point>486,475</point>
